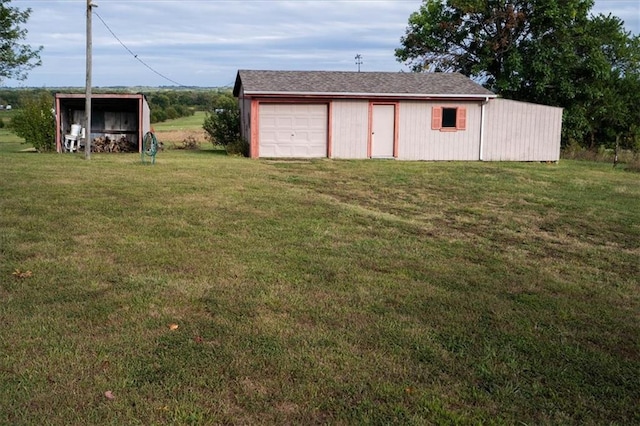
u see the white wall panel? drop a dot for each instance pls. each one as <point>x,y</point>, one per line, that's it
<point>520,131</point>
<point>417,141</point>
<point>350,129</point>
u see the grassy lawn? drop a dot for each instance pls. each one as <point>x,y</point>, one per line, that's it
<point>209,289</point>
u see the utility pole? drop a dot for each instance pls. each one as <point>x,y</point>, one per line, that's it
<point>87,95</point>
<point>358,61</point>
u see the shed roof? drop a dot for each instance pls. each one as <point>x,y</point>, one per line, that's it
<point>400,84</point>
<point>118,101</point>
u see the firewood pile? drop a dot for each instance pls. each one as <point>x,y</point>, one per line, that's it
<point>113,144</point>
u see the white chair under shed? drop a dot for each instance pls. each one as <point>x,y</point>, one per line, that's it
<point>72,140</point>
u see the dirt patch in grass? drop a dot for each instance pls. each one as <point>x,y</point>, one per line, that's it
<point>171,138</point>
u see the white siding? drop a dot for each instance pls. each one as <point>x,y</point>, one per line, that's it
<point>417,141</point>
<point>350,126</point>
<point>520,131</point>
<point>146,117</point>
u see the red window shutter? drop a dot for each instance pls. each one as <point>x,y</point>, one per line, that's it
<point>436,118</point>
<point>461,119</point>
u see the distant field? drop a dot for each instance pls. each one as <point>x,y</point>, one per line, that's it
<point>8,139</point>
<point>6,116</point>
<point>193,122</point>
<point>10,142</point>
<point>6,113</point>
<point>210,289</point>
<point>174,132</point>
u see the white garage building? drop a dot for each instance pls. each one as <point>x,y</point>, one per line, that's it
<point>406,116</point>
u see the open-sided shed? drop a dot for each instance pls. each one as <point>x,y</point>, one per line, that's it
<point>115,117</point>
<point>407,116</point>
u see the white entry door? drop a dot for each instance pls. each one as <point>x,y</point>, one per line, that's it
<point>293,130</point>
<point>383,131</point>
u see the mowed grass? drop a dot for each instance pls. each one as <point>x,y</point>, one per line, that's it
<point>307,292</point>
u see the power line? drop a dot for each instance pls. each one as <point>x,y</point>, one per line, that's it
<point>134,55</point>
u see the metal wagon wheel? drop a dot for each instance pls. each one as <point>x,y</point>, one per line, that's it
<point>149,147</point>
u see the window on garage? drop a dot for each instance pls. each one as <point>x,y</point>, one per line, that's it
<point>448,119</point>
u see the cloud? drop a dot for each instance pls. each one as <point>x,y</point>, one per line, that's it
<point>187,39</point>
<point>204,43</point>
<point>627,10</point>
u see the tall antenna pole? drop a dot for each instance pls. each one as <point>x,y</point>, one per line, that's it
<point>87,95</point>
<point>358,61</point>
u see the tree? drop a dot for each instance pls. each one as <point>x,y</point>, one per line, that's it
<point>606,75</point>
<point>35,122</point>
<point>222,122</point>
<point>15,59</point>
<point>160,100</point>
<point>168,105</point>
<point>483,38</point>
<point>544,51</point>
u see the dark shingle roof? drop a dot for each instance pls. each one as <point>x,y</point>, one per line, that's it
<point>357,83</point>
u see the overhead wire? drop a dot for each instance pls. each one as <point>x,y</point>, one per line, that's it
<point>135,55</point>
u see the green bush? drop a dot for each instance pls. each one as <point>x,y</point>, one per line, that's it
<point>238,147</point>
<point>35,122</point>
<point>222,122</point>
<point>158,116</point>
<point>171,113</point>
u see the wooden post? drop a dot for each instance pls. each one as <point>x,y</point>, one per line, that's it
<point>87,104</point>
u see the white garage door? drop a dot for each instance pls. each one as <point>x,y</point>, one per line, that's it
<point>293,130</point>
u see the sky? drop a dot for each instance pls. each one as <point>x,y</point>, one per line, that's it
<point>204,42</point>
